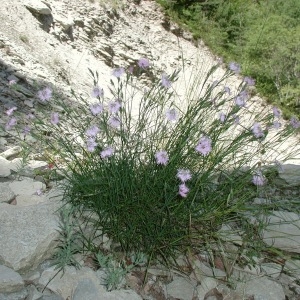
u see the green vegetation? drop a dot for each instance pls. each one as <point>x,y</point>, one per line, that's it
<point>263,36</point>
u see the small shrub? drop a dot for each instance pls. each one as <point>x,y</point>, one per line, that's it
<point>155,172</point>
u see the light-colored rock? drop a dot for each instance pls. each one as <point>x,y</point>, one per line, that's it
<point>64,284</point>
<point>33,293</point>
<point>26,186</point>
<point>38,7</point>
<point>181,288</point>
<point>10,281</point>
<point>121,295</point>
<point>26,200</point>
<point>283,231</point>
<point>207,284</point>
<point>271,269</point>
<point>6,194</point>
<point>87,289</point>
<point>31,168</point>
<point>11,152</point>
<point>290,173</point>
<point>4,167</point>
<point>292,267</point>
<point>21,295</point>
<point>28,235</point>
<point>261,288</point>
<point>227,234</point>
<point>201,271</point>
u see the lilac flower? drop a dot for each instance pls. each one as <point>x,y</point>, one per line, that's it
<point>276,124</point>
<point>107,152</point>
<point>39,192</point>
<point>44,94</point>
<point>184,174</point>
<point>11,122</point>
<point>91,144</point>
<point>295,123</point>
<point>54,118</point>
<point>276,111</point>
<point>143,63</point>
<point>114,106</point>
<point>162,157</point>
<point>227,90</point>
<point>96,109</point>
<point>97,92</point>
<point>30,116</point>
<point>222,117</point>
<point>258,179</point>
<point>172,114</point>
<point>183,190</point>
<point>92,131</point>
<point>12,82</point>
<point>118,72</point>
<point>249,81</point>
<point>26,129</point>
<point>204,145</point>
<point>165,81</point>
<point>241,98</point>
<point>236,68</point>
<point>257,130</point>
<point>10,111</point>
<point>114,122</point>
<point>130,70</point>
<point>236,119</point>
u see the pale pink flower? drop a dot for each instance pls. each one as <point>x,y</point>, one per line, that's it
<point>92,131</point>
<point>241,98</point>
<point>184,174</point>
<point>54,118</point>
<point>236,68</point>
<point>97,92</point>
<point>227,90</point>
<point>30,116</point>
<point>276,111</point>
<point>183,190</point>
<point>295,123</point>
<point>143,63</point>
<point>162,157</point>
<point>172,114</point>
<point>107,152</point>
<point>249,81</point>
<point>236,119</point>
<point>222,117</point>
<point>257,130</point>
<point>118,72</point>
<point>204,145</point>
<point>276,124</point>
<point>10,111</point>
<point>10,123</point>
<point>114,106</point>
<point>45,94</point>
<point>26,129</point>
<point>258,179</point>
<point>12,82</point>
<point>114,122</point>
<point>39,192</point>
<point>91,144</point>
<point>130,70</point>
<point>96,108</point>
<point>165,81</point>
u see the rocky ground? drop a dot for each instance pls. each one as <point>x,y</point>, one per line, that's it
<point>53,43</point>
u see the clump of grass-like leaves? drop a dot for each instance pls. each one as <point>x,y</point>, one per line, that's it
<point>156,173</point>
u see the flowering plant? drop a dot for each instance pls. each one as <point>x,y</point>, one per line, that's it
<point>155,175</point>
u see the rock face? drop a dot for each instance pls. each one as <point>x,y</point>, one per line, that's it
<point>10,281</point>
<point>282,231</point>
<point>38,7</point>
<point>28,235</point>
<point>290,173</point>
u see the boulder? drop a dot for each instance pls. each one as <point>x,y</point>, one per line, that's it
<point>10,281</point>
<point>28,235</point>
<point>38,7</point>
<point>290,173</point>
<point>6,194</point>
<point>26,186</point>
<point>181,288</point>
<point>4,167</point>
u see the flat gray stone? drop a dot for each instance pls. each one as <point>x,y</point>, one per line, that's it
<point>181,288</point>
<point>26,186</point>
<point>292,267</point>
<point>28,235</point>
<point>261,288</point>
<point>271,269</point>
<point>4,167</point>
<point>283,231</point>
<point>38,7</point>
<point>11,152</point>
<point>87,289</point>
<point>202,271</point>
<point>121,295</point>
<point>207,284</point>
<point>6,194</point>
<point>30,169</point>
<point>290,173</point>
<point>21,295</point>
<point>10,281</point>
<point>26,200</point>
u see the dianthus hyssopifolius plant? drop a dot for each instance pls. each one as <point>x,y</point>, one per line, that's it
<point>153,171</point>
